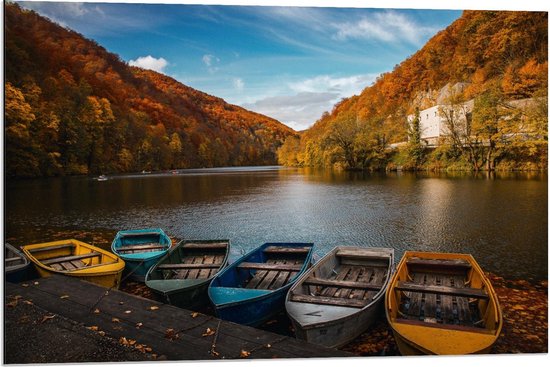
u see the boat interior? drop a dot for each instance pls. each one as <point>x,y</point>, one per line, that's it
<point>68,257</point>
<point>442,292</point>
<point>279,266</point>
<point>192,260</point>
<point>133,243</point>
<point>347,279</point>
<point>12,258</point>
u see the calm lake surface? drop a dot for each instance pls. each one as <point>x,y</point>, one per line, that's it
<point>502,220</point>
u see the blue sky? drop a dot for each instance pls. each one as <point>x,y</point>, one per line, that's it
<point>290,63</point>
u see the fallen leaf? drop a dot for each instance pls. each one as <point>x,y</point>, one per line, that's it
<point>121,303</point>
<point>28,302</point>
<point>128,311</point>
<point>148,349</point>
<point>131,341</point>
<point>244,353</point>
<point>12,304</point>
<point>36,283</point>
<point>209,332</point>
<point>64,296</point>
<point>171,334</point>
<point>46,318</point>
<point>17,297</point>
<point>122,340</point>
<point>194,314</point>
<point>214,353</point>
<point>93,328</point>
<point>97,310</point>
<point>268,346</point>
<point>24,285</point>
<point>115,319</point>
<point>153,308</point>
<point>102,333</point>
<point>139,324</point>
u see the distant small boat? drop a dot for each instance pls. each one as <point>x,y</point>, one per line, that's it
<point>78,259</point>
<point>340,296</point>
<point>102,178</point>
<point>442,303</point>
<point>182,276</point>
<point>140,249</point>
<point>253,289</point>
<point>17,265</point>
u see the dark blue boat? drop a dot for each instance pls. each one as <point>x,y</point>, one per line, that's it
<point>252,289</point>
<point>140,249</point>
<point>17,266</point>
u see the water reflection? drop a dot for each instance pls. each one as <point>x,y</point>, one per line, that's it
<point>501,220</point>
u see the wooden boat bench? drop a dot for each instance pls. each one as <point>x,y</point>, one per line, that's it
<point>286,250</point>
<point>205,246</point>
<point>141,247</point>
<point>334,301</point>
<point>437,264</point>
<point>57,260</point>
<point>265,266</point>
<point>50,248</point>
<point>186,266</point>
<point>442,290</point>
<point>342,284</point>
<point>12,259</point>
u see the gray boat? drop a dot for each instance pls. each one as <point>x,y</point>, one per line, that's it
<point>341,295</point>
<point>16,264</point>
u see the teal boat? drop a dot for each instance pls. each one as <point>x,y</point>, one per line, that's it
<point>252,290</point>
<point>140,249</point>
<point>182,276</point>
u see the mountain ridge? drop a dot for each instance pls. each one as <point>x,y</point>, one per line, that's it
<point>72,107</point>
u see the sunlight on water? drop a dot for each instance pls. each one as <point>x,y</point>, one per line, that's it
<point>502,222</point>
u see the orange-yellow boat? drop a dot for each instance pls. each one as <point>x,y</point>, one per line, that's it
<point>78,259</point>
<point>442,303</point>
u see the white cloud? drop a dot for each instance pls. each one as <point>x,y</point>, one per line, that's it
<point>304,101</point>
<point>210,61</point>
<point>387,27</point>
<point>149,62</point>
<point>238,83</point>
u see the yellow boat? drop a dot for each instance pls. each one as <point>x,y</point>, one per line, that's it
<point>78,259</point>
<point>441,303</point>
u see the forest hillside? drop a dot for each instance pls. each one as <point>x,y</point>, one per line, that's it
<point>496,56</point>
<point>72,107</point>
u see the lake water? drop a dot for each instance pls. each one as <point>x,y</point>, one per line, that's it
<point>502,220</point>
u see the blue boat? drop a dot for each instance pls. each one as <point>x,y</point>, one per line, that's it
<point>140,249</point>
<point>252,289</point>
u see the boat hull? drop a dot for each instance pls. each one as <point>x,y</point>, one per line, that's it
<point>336,325</point>
<point>235,300</point>
<point>139,263</point>
<point>190,290</point>
<point>17,267</point>
<point>106,272</point>
<point>445,332</point>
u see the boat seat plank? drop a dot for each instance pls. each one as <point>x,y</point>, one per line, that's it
<point>186,266</point>
<point>286,250</point>
<point>447,315</point>
<point>434,289</point>
<point>257,278</point>
<point>182,274</point>
<point>333,301</point>
<point>445,265</point>
<point>341,284</point>
<point>363,254</point>
<point>194,272</point>
<point>141,247</point>
<point>63,259</point>
<point>463,304</point>
<point>207,260</point>
<point>51,248</point>
<point>281,279</point>
<point>12,259</point>
<point>67,265</point>
<point>218,260</point>
<point>266,266</point>
<point>140,234</point>
<point>205,246</point>
<point>364,277</point>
